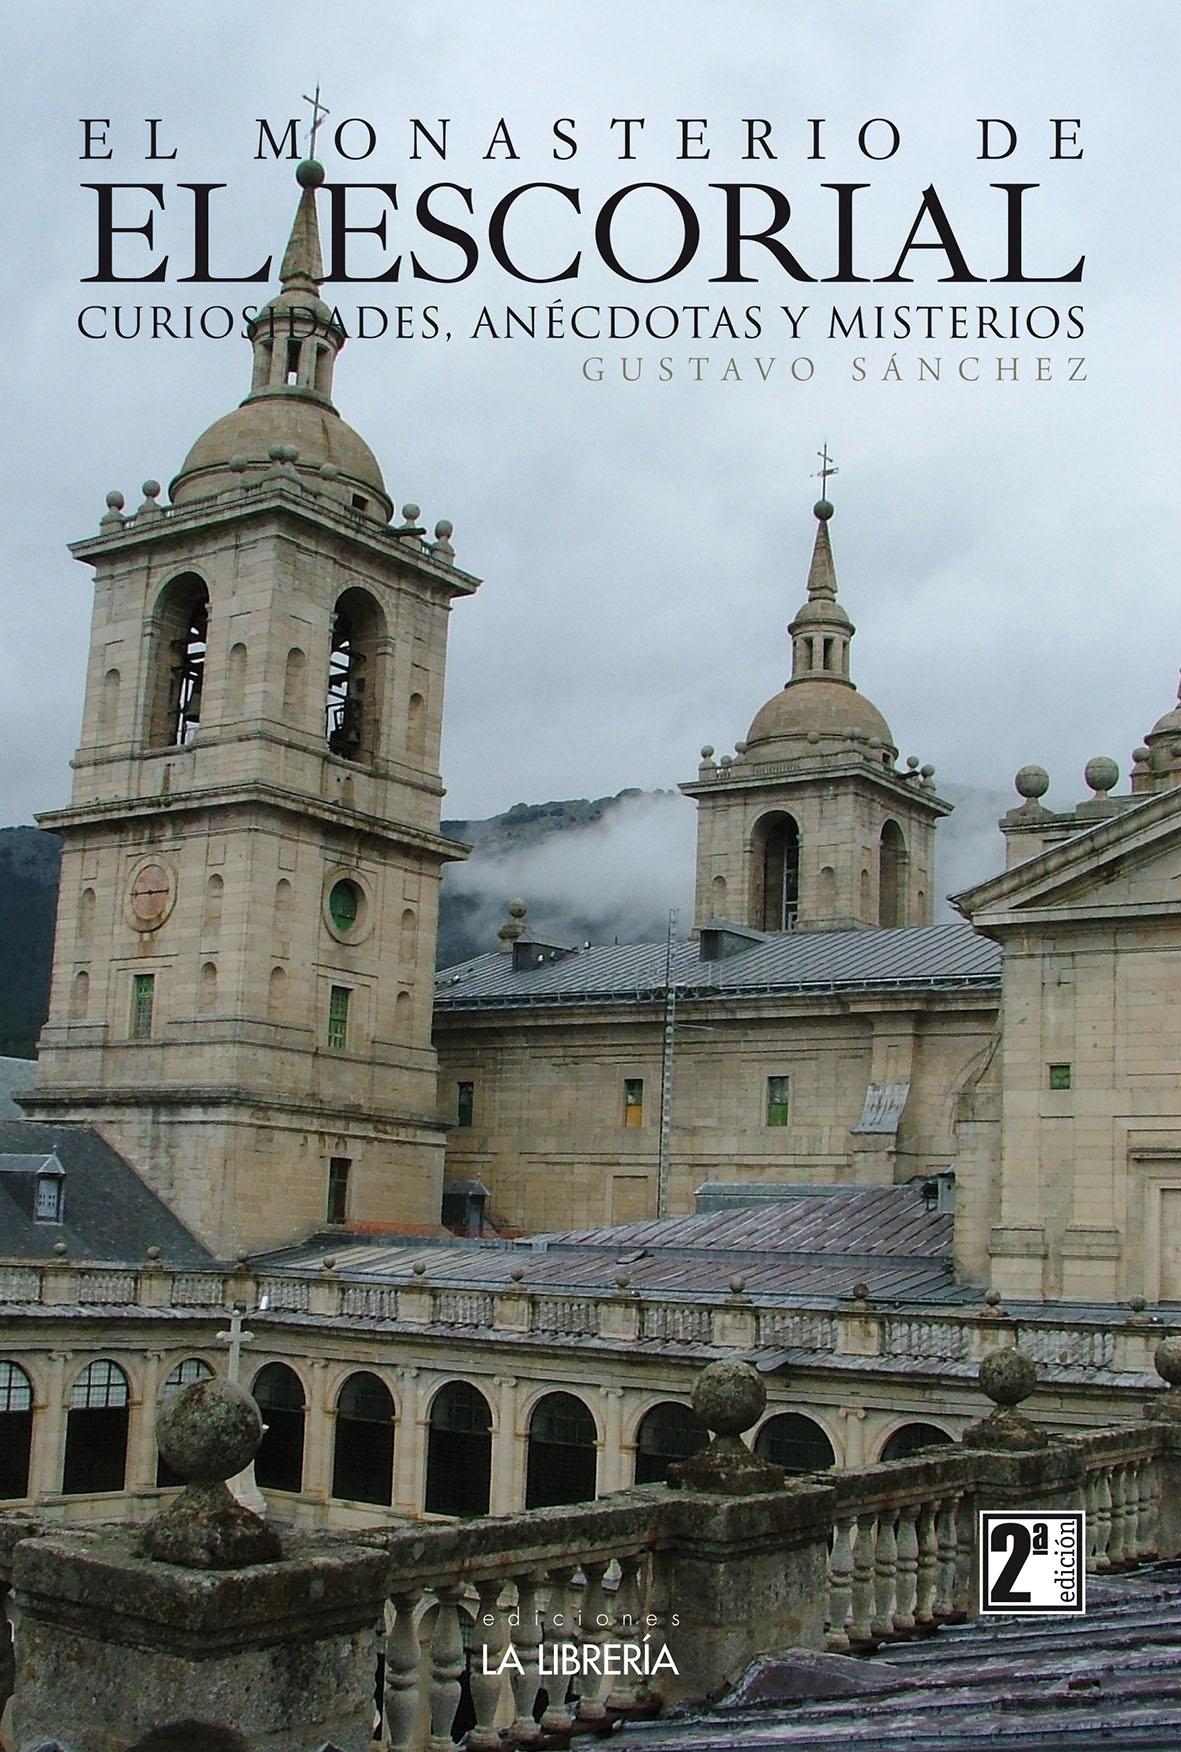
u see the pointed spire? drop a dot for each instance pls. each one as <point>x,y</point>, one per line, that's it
<point>303,264</point>
<point>822,573</point>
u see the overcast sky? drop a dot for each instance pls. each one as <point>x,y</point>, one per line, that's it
<point>1007,550</point>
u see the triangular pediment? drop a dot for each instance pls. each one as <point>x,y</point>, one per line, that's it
<point>1126,867</point>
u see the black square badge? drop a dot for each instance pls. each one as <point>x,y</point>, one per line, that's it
<point>1032,1563</point>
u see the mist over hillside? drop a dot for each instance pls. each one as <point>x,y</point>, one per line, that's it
<point>599,870</point>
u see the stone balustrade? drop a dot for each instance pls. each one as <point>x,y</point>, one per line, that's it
<point>1083,1347</point>
<point>848,1561</point>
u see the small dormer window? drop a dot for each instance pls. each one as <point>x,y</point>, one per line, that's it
<point>50,1198</point>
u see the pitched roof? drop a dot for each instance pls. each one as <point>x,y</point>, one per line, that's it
<point>109,1213</point>
<point>937,957</point>
<point>812,1242</point>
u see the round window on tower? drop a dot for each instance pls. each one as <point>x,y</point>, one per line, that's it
<point>345,908</point>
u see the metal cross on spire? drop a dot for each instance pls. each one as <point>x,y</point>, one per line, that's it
<point>826,468</point>
<point>319,111</point>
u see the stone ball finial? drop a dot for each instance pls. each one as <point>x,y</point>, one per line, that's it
<point>726,760</point>
<point>310,173</point>
<point>1007,1376</point>
<point>328,471</point>
<point>419,1268</point>
<point>1102,774</point>
<point>1032,782</point>
<point>861,1291</point>
<point>517,1274</point>
<point>707,753</point>
<point>151,489</point>
<point>412,513</point>
<point>928,771</point>
<point>60,1249</point>
<point>517,909</point>
<point>238,465</point>
<point>823,510</point>
<point>152,1253</point>
<point>1141,754</point>
<point>912,761</point>
<point>115,500</point>
<point>209,1431</point>
<point>729,1397</point>
<point>813,737</point>
<point>740,748</point>
<point>622,1280</point>
<point>737,1286</point>
<point>1166,1360</point>
<point>444,529</point>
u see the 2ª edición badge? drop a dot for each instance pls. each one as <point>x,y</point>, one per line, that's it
<point>1032,1563</point>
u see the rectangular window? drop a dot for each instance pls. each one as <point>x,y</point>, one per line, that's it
<point>48,1208</point>
<point>777,1100</point>
<point>143,992</point>
<point>633,1102</point>
<point>465,1101</point>
<point>338,1017</point>
<point>338,1188</point>
<point>1059,1076</point>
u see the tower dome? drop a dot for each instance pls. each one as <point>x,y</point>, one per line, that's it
<point>819,704</point>
<point>296,338</point>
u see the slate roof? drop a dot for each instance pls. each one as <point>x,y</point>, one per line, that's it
<point>110,1214</point>
<point>938,957</point>
<point>1110,1677</point>
<point>814,1242</point>
<point>16,1075</point>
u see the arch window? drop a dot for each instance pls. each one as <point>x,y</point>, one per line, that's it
<point>207,989</point>
<point>211,912</point>
<point>276,994</point>
<point>562,1464</point>
<point>235,700</point>
<point>278,1392</point>
<point>909,1438</point>
<point>16,1430</point>
<point>796,1443</point>
<point>96,1430</point>
<point>459,1452</point>
<point>80,996</point>
<point>350,724</point>
<point>294,683</point>
<point>670,1431</point>
<point>892,861</point>
<point>182,622</point>
<point>108,711</point>
<point>363,1447</point>
<point>86,905</point>
<point>777,869</point>
<point>183,1375</point>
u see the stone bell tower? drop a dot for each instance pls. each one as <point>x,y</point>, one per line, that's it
<point>251,858</point>
<point>810,825</point>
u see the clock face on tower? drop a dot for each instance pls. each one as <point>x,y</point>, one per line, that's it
<point>151,893</point>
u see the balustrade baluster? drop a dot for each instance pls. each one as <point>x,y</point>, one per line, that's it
<point>943,1605</point>
<point>596,1631</point>
<point>558,1718</point>
<point>1149,1500</point>
<point>488,1686</point>
<point>403,1674</point>
<point>885,1587</point>
<point>924,1604</point>
<point>526,1643</point>
<point>864,1562</point>
<point>907,1569</point>
<point>964,1601</point>
<point>840,1584</point>
<point>1117,1548</point>
<point>447,1663</point>
<point>1103,1519</point>
<point>627,1693</point>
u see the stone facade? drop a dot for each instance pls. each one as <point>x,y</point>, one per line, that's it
<point>549,1098</point>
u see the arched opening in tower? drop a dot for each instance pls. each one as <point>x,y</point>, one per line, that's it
<point>892,862</point>
<point>777,873</point>
<point>350,721</point>
<point>180,643</point>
